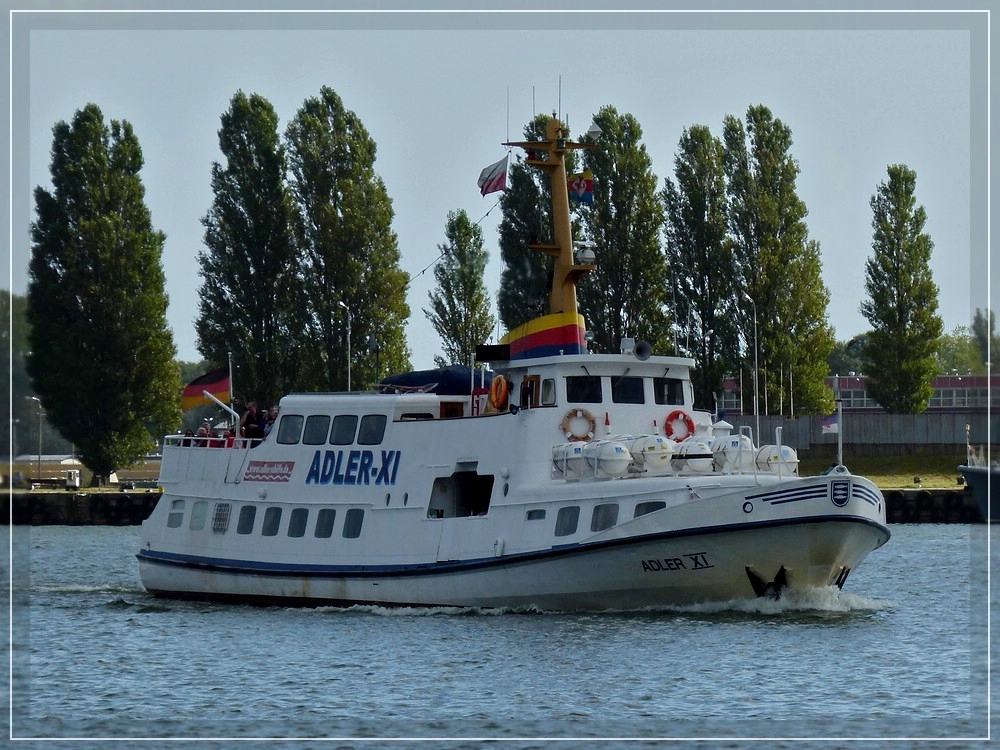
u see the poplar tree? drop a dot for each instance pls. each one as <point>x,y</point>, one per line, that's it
<point>628,293</point>
<point>101,352</point>
<point>460,306</point>
<point>249,302</point>
<point>350,257</point>
<point>778,269</point>
<point>902,298</point>
<point>702,283</point>
<point>984,334</point>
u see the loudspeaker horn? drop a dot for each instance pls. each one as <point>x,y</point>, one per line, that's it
<point>642,350</point>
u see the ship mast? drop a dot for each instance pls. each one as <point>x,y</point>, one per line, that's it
<point>549,155</point>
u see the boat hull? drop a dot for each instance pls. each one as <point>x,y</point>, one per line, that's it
<point>675,568</point>
<point>984,483</point>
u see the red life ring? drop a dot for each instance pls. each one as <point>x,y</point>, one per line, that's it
<point>672,418</point>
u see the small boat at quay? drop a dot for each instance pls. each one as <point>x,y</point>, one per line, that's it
<point>982,477</point>
<point>560,480</point>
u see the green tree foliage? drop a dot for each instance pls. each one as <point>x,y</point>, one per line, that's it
<point>249,302</point>
<point>527,218</point>
<point>343,218</point>
<point>460,306</point>
<point>628,293</point>
<point>958,354</point>
<point>901,303</point>
<point>848,356</point>
<point>700,260</point>
<point>779,269</point>
<point>101,352</point>
<point>987,341</point>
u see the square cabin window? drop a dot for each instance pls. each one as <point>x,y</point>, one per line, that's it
<point>289,429</point>
<point>669,391</point>
<point>272,520</point>
<point>344,428</point>
<point>584,389</point>
<point>567,520</point>
<point>604,517</point>
<point>627,391</point>
<point>352,523</point>
<point>317,428</point>
<point>324,523</point>
<point>372,429</point>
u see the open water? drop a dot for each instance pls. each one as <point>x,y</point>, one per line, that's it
<point>900,654</point>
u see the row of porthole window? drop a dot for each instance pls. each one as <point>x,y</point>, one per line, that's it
<point>604,516</point>
<point>298,520</point>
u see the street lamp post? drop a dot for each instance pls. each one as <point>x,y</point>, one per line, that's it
<point>39,459</point>
<point>756,411</point>
<point>342,305</point>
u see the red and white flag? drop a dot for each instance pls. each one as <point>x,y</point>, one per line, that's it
<point>493,178</point>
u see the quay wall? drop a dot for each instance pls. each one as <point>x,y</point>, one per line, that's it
<point>132,508</point>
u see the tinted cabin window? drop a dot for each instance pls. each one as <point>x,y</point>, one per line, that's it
<point>272,519</point>
<point>176,516</point>
<point>352,523</point>
<point>289,428</point>
<point>567,520</point>
<point>324,523</point>
<point>344,428</point>
<point>627,391</point>
<point>245,523</point>
<point>585,389</point>
<point>317,428</point>
<point>650,506</point>
<point>605,516</point>
<point>297,522</point>
<point>668,391</point>
<point>372,429</point>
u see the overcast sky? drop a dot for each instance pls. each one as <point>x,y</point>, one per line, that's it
<point>439,93</point>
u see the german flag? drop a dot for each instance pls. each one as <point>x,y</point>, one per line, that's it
<point>215,382</point>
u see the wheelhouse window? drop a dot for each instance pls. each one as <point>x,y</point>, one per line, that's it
<point>668,391</point>
<point>548,392</point>
<point>344,428</point>
<point>317,428</point>
<point>604,517</point>
<point>567,520</point>
<point>585,389</point>
<point>372,429</point>
<point>289,428</point>
<point>627,390</point>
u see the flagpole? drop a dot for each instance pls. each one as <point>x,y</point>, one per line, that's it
<point>230,356</point>
<point>840,432</point>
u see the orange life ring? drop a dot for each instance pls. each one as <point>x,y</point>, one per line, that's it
<point>498,393</point>
<point>578,435</point>
<point>673,417</point>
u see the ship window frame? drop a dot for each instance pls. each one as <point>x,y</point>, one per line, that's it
<point>372,429</point>
<point>667,391</point>
<point>584,389</point>
<point>298,519</point>
<point>289,425</point>
<point>604,516</point>
<point>247,519</point>
<point>354,520</point>
<point>567,520</point>
<point>647,506</point>
<point>199,512</point>
<point>624,391</point>
<point>175,519</point>
<point>323,530</point>
<point>535,514</point>
<point>548,397</point>
<point>272,521</point>
<point>339,430</point>
<point>311,433</point>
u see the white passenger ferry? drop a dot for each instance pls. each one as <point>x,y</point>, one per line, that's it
<point>567,481</point>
